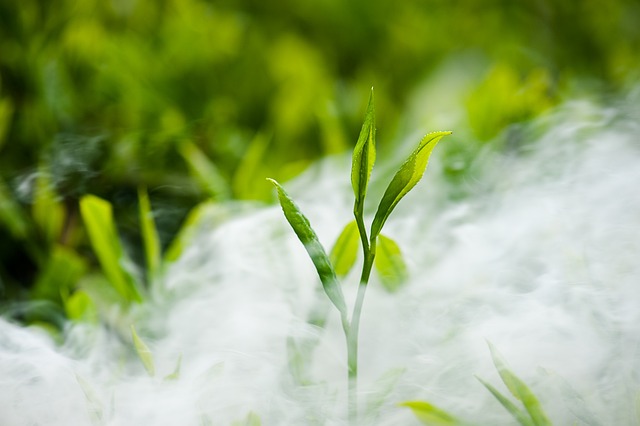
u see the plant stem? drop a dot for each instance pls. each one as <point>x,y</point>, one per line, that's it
<point>352,335</point>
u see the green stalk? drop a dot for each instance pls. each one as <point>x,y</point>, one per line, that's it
<point>352,335</point>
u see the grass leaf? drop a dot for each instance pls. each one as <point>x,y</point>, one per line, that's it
<point>62,272</point>
<point>48,212</point>
<point>98,219</point>
<point>345,250</point>
<point>364,156</point>
<point>405,179</point>
<point>309,239</point>
<point>149,235</point>
<point>519,389</point>
<point>516,412</point>
<point>143,352</point>
<point>390,264</point>
<point>429,414</point>
<point>204,171</point>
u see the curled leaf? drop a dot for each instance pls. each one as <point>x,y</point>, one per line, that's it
<point>405,179</point>
<point>309,239</point>
<point>364,155</point>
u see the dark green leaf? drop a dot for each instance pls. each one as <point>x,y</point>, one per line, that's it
<point>309,239</point>
<point>390,264</point>
<point>405,179</point>
<point>429,414</point>
<point>345,250</point>
<point>364,155</point>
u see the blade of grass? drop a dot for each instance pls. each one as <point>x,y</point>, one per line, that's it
<point>150,238</point>
<point>309,239</point>
<point>143,352</point>
<point>519,389</point>
<point>204,171</point>
<point>516,412</point>
<point>97,215</point>
<point>405,179</point>
<point>48,212</point>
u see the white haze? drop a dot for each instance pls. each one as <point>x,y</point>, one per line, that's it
<point>543,261</point>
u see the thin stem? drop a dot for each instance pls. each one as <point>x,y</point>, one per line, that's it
<point>352,336</point>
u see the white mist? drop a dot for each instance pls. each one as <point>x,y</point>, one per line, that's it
<point>543,261</point>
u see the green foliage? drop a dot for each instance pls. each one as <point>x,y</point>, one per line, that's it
<point>535,416</point>
<point>431,415</point>
<point>309,239</point>
<point>345,249</point>
<point>145,355</point>
<point>98,218</point>
<point>390,264</point>
<point>405,179</point>
<point>150,239</point>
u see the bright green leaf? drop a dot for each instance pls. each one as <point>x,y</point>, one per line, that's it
<point>143,352</point>
<point>519,389</point>
<point>345,250</point>
<point>429,414</point>
<point>79,306</point>
<point>309,239</point>
<point>61,273</point>
<point>516,412</point>
<point>405,179</point>
<point>149,234</point>
<point>364,156</point>
<point>98,219</point>
<point>390,264</point>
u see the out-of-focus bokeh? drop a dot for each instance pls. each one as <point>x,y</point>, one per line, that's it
<point>198,100</point>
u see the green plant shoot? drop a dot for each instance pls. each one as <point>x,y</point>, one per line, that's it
<point>343,256</point>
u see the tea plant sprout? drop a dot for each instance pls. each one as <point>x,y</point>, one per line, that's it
<point>364,156</point>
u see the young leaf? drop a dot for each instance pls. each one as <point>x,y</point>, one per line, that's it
<point>143,352</point>
<point>429,414</point>
<point>364,155</point>
<point>516,412</point>
<point>309,239</point>
<point>149,234</point>
<point>405,179</point>
<point>519,390</point>
<point>345,250</point>
<point>390,264</point>
<point>98,219</point>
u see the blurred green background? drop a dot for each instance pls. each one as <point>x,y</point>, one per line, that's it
<point>198,100</point>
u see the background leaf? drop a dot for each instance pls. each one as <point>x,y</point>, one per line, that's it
<point>405,179</point>
<point>98,219</point>
<point>345,250</point>
<point>516,412</point>
<point>149,234</point>
<point>143,352</point>
<point>429,414</point>
<point>309,239</point>
<point>390,264</point>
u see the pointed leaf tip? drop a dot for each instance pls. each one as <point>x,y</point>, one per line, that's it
<point>405,179</point>
<point>364,157</point>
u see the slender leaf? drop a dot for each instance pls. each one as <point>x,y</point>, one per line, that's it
<point>364,155</point>
<point>309,239</point>
<point>61,273</point>
<point>405,179</point>
<point>204,171</point>
<point>143,352</point>
<point>48,211</point>
<point>519,389</point>
<point>11,215</point>
<point>516,412</point>
<point>345,250</point>
<point>98,219</point>
<point>429,414</point>
<point>149,234</point>
<point>390,264</point>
